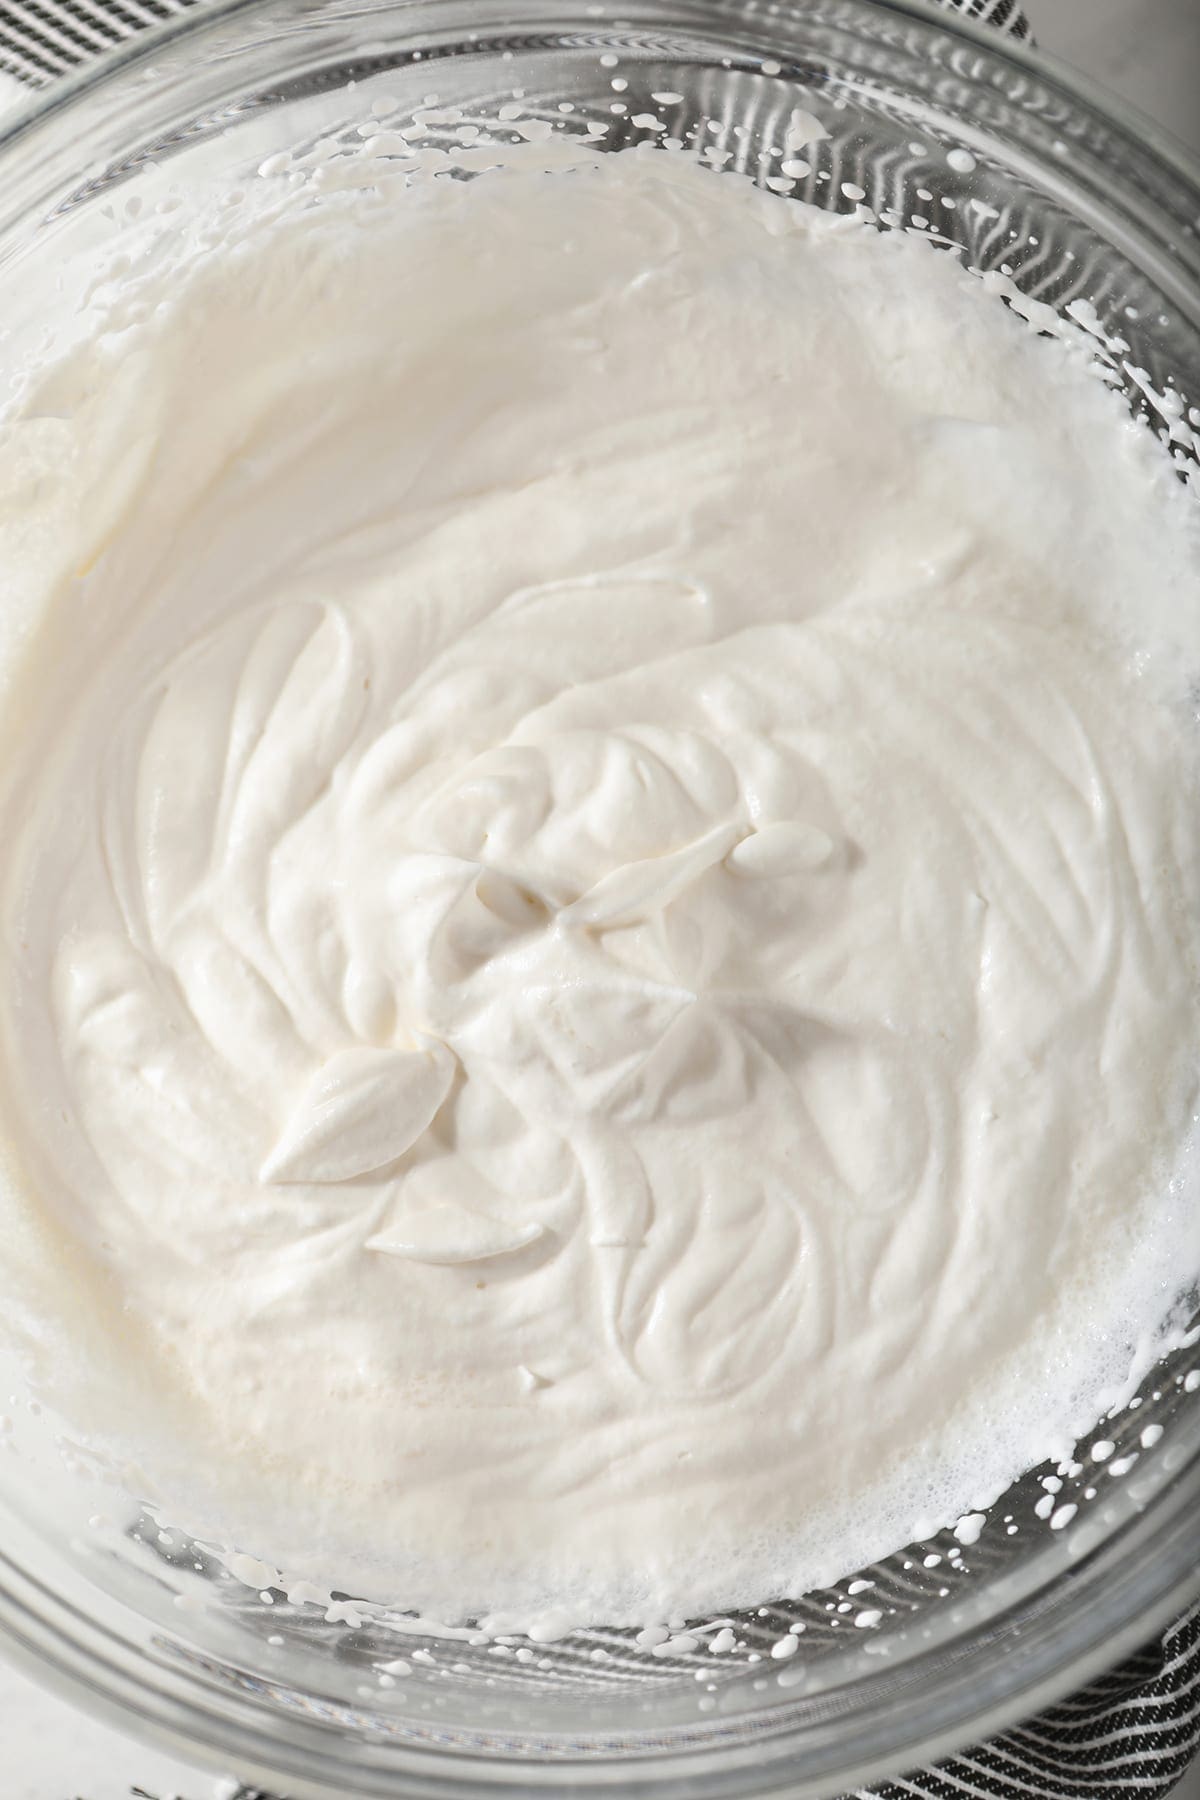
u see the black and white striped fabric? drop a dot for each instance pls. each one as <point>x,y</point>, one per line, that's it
<point>1130,1736</point>
<point>1004,15</point>
<point>43,39</point>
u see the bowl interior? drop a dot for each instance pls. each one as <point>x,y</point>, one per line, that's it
<point>935,131</point>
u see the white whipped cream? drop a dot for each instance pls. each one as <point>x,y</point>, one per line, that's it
<point>599,982</point>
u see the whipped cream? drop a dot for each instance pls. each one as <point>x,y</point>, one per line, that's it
<point>599,952</point>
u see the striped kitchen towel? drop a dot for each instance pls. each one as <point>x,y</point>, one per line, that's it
<point>1131,1736</point>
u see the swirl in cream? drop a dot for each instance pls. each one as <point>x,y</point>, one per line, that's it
<point>612,986</point>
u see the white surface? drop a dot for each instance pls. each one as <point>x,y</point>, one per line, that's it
<point>50,1751</point>
<point>1149,50</point>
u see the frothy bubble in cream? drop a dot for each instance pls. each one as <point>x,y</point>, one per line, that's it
<point>601,883</point>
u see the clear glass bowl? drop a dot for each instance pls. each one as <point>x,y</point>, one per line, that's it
<point>1076,201</point>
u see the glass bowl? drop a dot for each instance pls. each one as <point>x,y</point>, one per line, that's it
<point>937,126</point>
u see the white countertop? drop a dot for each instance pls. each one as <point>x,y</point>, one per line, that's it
<point>1147,50</point>
<point>51,1751</point>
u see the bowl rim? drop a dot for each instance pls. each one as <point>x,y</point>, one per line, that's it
<point>203,17</point>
